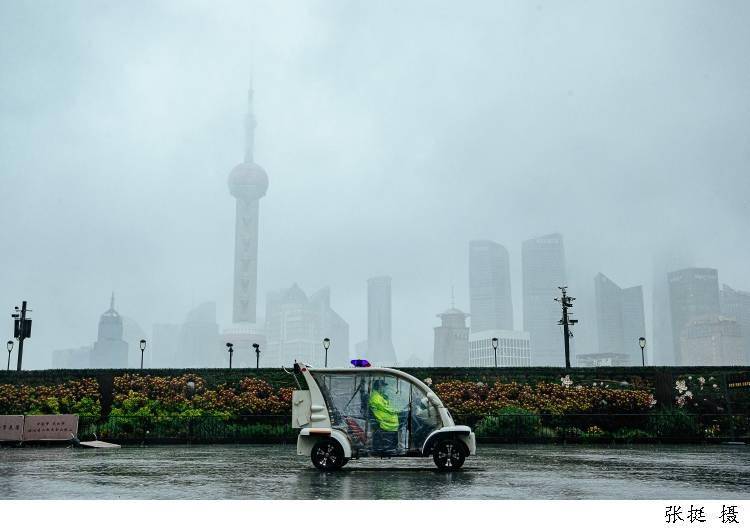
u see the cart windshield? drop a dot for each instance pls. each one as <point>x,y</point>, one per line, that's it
<point>381,412</point>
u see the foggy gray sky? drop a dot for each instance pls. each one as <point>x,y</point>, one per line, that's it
<point>392,134</point>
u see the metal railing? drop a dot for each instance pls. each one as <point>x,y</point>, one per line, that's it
<point>663,427</point>
<point>202,429</point>
<point>667,427</point>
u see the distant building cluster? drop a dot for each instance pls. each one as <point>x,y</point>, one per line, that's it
<point>116,345</point>
<point>705,325</point>
<point>694,322</point>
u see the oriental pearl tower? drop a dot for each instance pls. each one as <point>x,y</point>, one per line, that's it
<point>248,183</point>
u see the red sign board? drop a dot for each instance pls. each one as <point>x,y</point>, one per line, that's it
<point>50,427</point>
<point>11,428</point>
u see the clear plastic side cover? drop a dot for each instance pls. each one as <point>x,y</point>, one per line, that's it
<point>381,413</point>
<point>424,418</point>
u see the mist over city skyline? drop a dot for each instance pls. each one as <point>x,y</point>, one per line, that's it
<point>391,135</point>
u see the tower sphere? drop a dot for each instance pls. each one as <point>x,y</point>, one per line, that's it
<point>248,181</point>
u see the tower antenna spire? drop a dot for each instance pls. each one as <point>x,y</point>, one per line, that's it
<point>112,302</point>
<point>250,124</point>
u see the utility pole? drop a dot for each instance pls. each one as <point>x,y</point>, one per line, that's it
<point>567,303</point>
<point>21,329</point>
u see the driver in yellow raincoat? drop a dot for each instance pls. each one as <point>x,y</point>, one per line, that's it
<point>385,414</point>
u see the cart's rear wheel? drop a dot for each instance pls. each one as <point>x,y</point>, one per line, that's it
<point>328,455</point>
<point>449,454</point>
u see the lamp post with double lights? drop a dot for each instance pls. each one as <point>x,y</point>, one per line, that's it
<point>230,346</point>
<point>326,345</point>
<point>9,344</point>
<point>642,344</point>
<point>494,346</point>
<point>143,347</point>
<point>256,347</point>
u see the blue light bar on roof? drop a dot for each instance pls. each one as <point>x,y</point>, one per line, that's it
<point>360,363</point>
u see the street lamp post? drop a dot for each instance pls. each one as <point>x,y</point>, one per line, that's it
<point>494,345</point>
<point>326,345</point>
<point>642,344</point>
<point>231,351</point>
<point>256,347</point>
<point>143,347</point>
<point>9,344</point>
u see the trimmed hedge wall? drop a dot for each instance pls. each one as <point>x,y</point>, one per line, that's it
<point>659,379</point>
<point>277,378</point>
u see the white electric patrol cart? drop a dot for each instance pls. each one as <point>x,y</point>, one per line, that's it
<point>364,411</point>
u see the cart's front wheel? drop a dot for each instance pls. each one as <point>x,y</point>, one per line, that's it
<point>328,455</point>
<point>449,454</point>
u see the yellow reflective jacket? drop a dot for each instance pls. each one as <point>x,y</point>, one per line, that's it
<point>387,417</point>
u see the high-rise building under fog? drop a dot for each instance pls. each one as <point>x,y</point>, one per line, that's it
<point>669,258</point>
<point>693,295</point>
<point>543,265</point>
<point>512,348</point>
<point>736,304</point>
<point>633,321</point>
<point>712,341</point>
<point>489,286</point>
<point>620,318</point>
<point>451,339</point>
<point>199,342</point>
<point>109,350</point>
<point>332,326</point>
<point>296,326</point>
<point>380,348</point>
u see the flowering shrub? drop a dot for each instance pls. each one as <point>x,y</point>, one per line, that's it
<point>186,396</point>
<point>464,397</point>
<point>698,394</point>
<point>74,397</point>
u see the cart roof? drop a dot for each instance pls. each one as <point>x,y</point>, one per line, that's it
<point>373,371</point>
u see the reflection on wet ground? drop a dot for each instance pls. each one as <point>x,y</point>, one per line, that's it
<point>275,472</point>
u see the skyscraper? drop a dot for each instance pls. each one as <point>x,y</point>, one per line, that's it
<point>296,326</point>
<point>489,286</point>
<point>693,295</point>
<point>608,314</point>
<point>619,317</point>
<point>736,304</point>
<point>451,339</point>
<point>248,183</point>
<point>165,341</point>
<point>712,341</point>
<point>110,351</point>
<point>670,257</point>
<point>512,348</point>
<point>543,264</point>
<point>380,348</point>
<point>199,340</point>
<point>333,326</point>
<point>633,321</point>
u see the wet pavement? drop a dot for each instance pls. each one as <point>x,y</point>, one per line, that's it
<point>275,472</point>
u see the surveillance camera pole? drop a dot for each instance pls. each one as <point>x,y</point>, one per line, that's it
<point>256,347</point>
<point>231,351</point>
<point>566,302</point>
<point>22,330</point>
